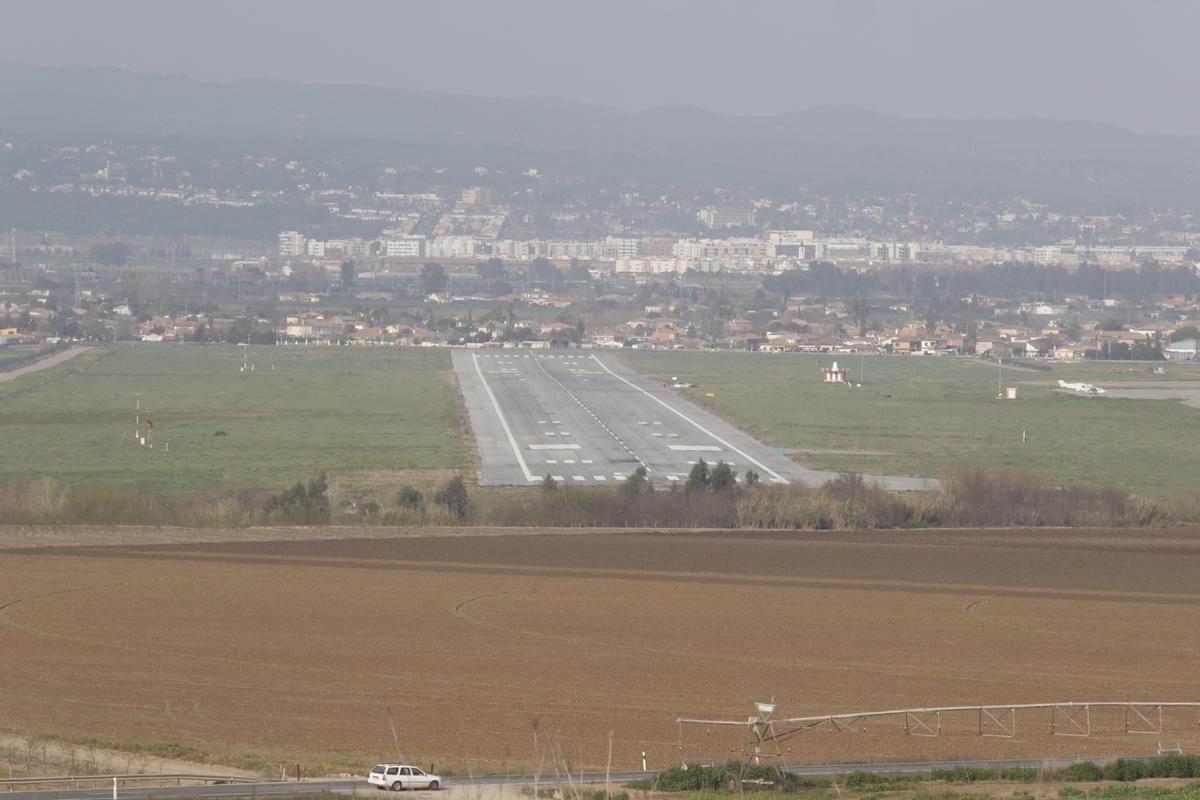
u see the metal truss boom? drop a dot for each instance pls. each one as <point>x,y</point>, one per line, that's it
<point>1066,719</point>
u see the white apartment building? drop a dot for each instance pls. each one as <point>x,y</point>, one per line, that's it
<point>315,248</point>
<point>713,217</point>
<point>790,237</point>
<point>452,247</point>
<point>476,196</point>
<point>1046,254</point>
<point>1107,254</point>
<point>515,250</point>
<point>896,252</point>
<point>1169,253</point>
<point>688,248</point>
<point>348,248</point>
<point>734,251</point>
<point>849,249</point>
<point>585,251</point>
<point>621,247</point>
<point>652,266</point>
<point>291,244</point>
<point>405,247</point>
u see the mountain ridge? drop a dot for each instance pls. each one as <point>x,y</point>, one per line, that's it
<point>829,146</point>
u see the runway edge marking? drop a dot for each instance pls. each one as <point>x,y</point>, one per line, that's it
<point>529,476</point>
<point>686,418</point>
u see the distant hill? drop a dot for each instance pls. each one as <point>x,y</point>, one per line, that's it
<point>1080,164</point>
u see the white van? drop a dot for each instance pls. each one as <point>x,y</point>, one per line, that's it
<point>398,777</point>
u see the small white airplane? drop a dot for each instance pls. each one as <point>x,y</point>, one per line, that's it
<point>1082,388</point>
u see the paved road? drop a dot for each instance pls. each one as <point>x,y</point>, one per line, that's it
<point>586,418</point>
<point>45,363</point>
<point>360,786</point>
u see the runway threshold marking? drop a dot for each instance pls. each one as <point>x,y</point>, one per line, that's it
<point>529,476</point>
<point>778,478</point>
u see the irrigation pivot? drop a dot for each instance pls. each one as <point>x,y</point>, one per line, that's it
<point>766,732</point>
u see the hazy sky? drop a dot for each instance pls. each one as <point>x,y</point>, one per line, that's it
<point>1131,63</point>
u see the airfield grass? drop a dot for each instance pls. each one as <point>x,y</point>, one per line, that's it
<point>374,413</point>
<point>14,355</point>
<point>925,416</point>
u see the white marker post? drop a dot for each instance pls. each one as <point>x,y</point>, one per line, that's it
<point>114,789</point>
<point>643,761</point>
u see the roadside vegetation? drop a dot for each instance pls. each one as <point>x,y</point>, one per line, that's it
<point>712,497</point>
<point>1109,781</point>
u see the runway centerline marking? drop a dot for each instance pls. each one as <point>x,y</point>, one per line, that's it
<point>592,414</point>
<point>778,478</point>
<point>503,422</point>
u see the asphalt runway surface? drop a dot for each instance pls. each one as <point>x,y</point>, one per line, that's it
<point>586,418</point>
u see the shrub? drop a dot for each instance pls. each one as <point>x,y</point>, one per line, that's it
<point>453,496</point>
<point>722,478</point>
<point>975,774</point>
<point>409,497</point>
<point>1083,771</point>
<point>1168,766</point>
<point>714,778</point>
<point>1125,770</point>
<point>878,781</point>
<point>1012,498</point>
<point>303,503</point>
<point>698,478</point>
<point>1174,765</point>
<point>636,483</point>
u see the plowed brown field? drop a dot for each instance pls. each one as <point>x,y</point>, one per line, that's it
<point>315,652</point>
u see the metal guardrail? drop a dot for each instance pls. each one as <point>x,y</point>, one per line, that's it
<point>11,783</point>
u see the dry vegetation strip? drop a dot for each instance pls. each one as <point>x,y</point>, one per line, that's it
<point>267,653</point>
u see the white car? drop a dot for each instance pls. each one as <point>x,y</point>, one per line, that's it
<point>398,777</point>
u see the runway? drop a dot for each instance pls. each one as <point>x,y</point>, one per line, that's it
<point>586,418</point>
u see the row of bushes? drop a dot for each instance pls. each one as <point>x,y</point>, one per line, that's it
<point>1169,766</point>
<point>716,777</point>
<point>967,499</point>
<point>971,498</point>
<point>976,774</point>
<point>723,776</point>
<point>44,501</point>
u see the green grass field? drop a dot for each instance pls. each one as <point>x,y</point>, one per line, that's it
<point>16,355</point>
<point>925,415</point>
<point>357,413</point>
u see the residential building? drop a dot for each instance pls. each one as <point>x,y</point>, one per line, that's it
<point>713,217</point>
<point>405,247</point>
<point>291,244</point>
<point>476,196</point>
